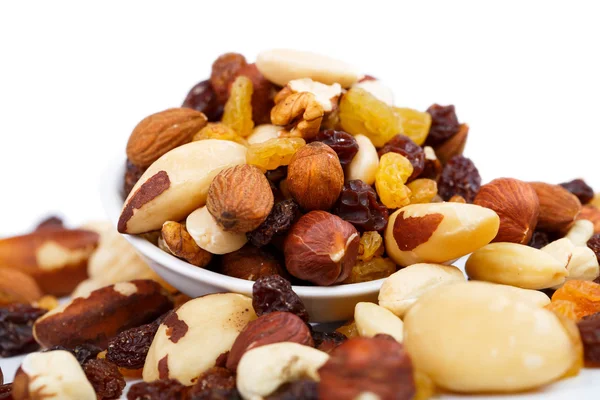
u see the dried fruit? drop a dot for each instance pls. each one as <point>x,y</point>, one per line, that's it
<point>321,248</point>
<point>129,348</point>
<point>564,308</point>
<point>422,190</point>
<point>539,239</point>
<point>348,329</point>
<point>107,381</point>
<point>17,287</point>
<point>327,341</point>
<point>273,153</point>
<point>262,97</point>
<point>238,109</point>
<point>6,391</point>
<point>403,145</point>
<point>16,322</point>
<point>224,70</point>
<point>216,394</point>
<point>370,245</point>
<point>358,204</point>
<point>344,144</point>
<point>274,293</point>
<point>362,113</point>
<point>453,146</point>
<point>459,177</point>
<point>164,389</point>
<point>216,378</point>
<point>392,174</point>
<point>581,189</point>
<point>83,352</point>
<point>375,268</point>
<point>589,329</point>
<point>278,222</point>
<point>558,207</point>
<point>415,124</point>
<point>219,131</point>
<point>250,263</point>
<point>584,294</point>
<point>433,167</point>
<point>594,244</point>
<point>240,198</point>
<point>444,124</point>
<point>133,174</point>
<point>203,98</point>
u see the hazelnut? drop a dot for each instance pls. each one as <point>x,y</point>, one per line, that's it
<point>321,248</point>
<point>517,205</point>
<point>240,198</point>
<point>558,206</point>
<point>315,176</point>
<point>180,243</point>
<point>250,263</point>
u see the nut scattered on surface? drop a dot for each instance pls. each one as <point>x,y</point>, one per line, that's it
<point>558,207</point>
<point>207,233</point>
<point>181,244</point>
<point>372,320</point>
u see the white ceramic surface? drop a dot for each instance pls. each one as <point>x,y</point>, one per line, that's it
<point>324,304</point>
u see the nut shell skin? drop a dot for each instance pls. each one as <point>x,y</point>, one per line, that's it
<point>517,205</point>
<point>321,248</point>
<point>558,206</point>
<point>315,176</point>
<point>181,244</point>
<point>250,263</point>
<point>17,287</point>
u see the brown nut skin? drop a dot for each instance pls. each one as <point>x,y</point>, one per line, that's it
<point>270,328</point>
<point>17,287</point>
<point>159,133</point>
<point>240,198</point>
<point>558,206</point>
<point>224,70</point>
<point>103,314</point>
<point>250,263</point>
<point>517,205</point>
<point>315,177</point>
<point>55,258</point>
<point>321,248</point>
<point>181,244</point>
<point>377,365</point>
<point>453,146</point>
<point>592,214</point>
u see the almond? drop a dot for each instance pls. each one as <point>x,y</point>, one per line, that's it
<point>17,287</point>
<point>591,213</point>
<point>558,207</point>
<point>159,133</point>
<point>453,146</point>
<point>516,204</point>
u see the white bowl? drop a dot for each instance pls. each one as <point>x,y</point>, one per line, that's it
<point>324,304</point>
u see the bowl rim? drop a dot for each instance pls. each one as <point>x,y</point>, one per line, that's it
<point>110,193</point>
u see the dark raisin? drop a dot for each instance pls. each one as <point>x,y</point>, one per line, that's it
<point>223,72</point>
<point>579,188</point>
<point>1,376</point>
<point>213,379</point>
<point>16,322</point>
<point>277,175</point>
<point>459,177</point>
<point>304,389</point>
<point>589,329</point>
<point>539,239</point>
<point>129,348</point>
<point>132,175</point>
<point>344,144</point>
<point>82,353</point>
<point>50,223</point>
<point>215,394</point>
<point>202,98</point>
<point>433,166</point>
<point>594,244</point>
<point>444,124</point>
<point>327,341</point>
<point>6,391</point>
<point>273,293</point>
<point>168,389</point>
<point>278,222</point>
<point>107,381</point>
<point>405,146</point>
<point>358,204</point>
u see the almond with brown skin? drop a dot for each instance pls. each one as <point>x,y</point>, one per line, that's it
<point>517,205</point>
<point>17,287</point>
<point>158,133</point>
<point>558,207</point>
<point>453,146</point>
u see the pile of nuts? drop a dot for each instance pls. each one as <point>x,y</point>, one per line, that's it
<point>296,169</point>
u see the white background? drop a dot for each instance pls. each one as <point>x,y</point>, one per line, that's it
<point>76,77</point>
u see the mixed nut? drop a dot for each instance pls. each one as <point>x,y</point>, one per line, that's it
<point>297,169</point>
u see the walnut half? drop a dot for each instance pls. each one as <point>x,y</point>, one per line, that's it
<point>300,113</point>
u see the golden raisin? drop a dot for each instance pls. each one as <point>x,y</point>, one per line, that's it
<point>422,190</point>
<point>370,245</point>
<point>424,385</point>
<point>415,124</point>
<point>362,113</point>
<point>238,109</point>
<point>219,131</point>
<point>273,153</point>
<point>393,172</point>
<point>348,329</point>
<point>563,307</point>
<point>585,296</point>
<point>366,271</point>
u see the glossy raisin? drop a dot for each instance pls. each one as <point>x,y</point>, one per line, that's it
<point>392,173</point>
<point>129,348</point>
<point>213,379</point>
<point>304,389</point>
<point>215,394</point>
<point>375,268</point>
<point>344,144</point>
<point>132,175</point>
<point>274,293</point>
<point>405,146</point>
<point>237,113</point>
<point>278,174</point>
<point>6,391</point>
<point>167,389</point>
<point>444,124</point>
<point>224,70</point>
<point>415,124</point>
<point>327,341</point>
<point>358,204</point>
<point>203,98</point>
<point>107,381</point>
<point>459,177</point>
<point>220,131</point>
<point>83,352</point>
<point>16,322</point>
<point>539,239</point>
<point>579,188</point>
<point>589,329</point>
<point>273,153</point>
<point>279,221</point>
<point>370,245</point>
<point>594,244</point>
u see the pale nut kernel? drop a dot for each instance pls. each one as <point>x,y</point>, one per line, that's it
<point>517,265</point>
<point>372,320</point>
<point>207,233</point>
<point>438,232</point>
<point>200,330</point>
<point>534,297</point>
<point>476,337</point>
<point>583,265</point>
<point>365,163</point>
<point>401,290</point>
<point>177,183</point>
<point>180,243</point>
<point>377,89</point>
<point>263,133</point>
<point>326,95</point>
<point>263,370</point>
<point>580,232</point>
<point>561,249</point>
<point>51,375</point>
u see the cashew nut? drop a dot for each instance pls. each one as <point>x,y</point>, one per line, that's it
<point>365,163</point>
<point>581,231</point>
<point>372,319</point>
<point>210,236</point>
